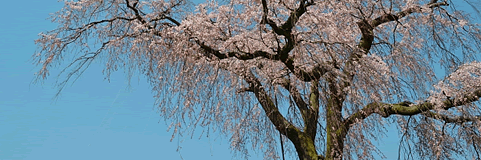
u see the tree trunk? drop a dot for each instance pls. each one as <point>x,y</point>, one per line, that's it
<point>305,148</point>
<point>336,132</point>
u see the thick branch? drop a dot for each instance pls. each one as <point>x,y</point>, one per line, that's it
<point>452,119</point>
<point>367,33</point>
<point>238,55</point>
<point>272,24</point>
<point>407,108</point>
<point>367,27</point>
<point>172,20</point>
<point>303,143</point>
<point>297,97</point>
<point>313,111</point>
<point>314,74</point>
<point>309,112</point>
<point>271,110</point>
<point>163,16</point>
<point>286,30</point>
<point>294,17</point>
<point>136,12</point>
<point>283,53</point>
<point>394,17</point>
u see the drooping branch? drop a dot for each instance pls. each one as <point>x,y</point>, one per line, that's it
<point>91,24</point>
<point>408,108</point>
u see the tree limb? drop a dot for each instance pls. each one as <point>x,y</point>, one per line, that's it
<point>452,119</point>
<point>272,24</point>
<point>313,111</point>
<point>303,143</point>
<point>238,55</point>
<point>367,33</point>
<point>407,108</point>
<point>294,17</point>
<point>286,30</point>
<point>136,12</point>
<point>297,97</point>
<point>394,17</point>
<point>367,27</point>
<point>309,112</point>
<point>314,74</point>
<point>272,112</point>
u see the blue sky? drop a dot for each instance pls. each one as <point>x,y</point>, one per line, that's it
<point>91,119</point>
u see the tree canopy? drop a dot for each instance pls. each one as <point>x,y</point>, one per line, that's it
<point>327,75</point>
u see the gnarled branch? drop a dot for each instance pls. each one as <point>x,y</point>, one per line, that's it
<point>286,30</point>
<point>407,108</point>
<point>452,119</point>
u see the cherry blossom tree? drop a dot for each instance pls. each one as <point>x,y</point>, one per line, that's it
<point>328,76</point>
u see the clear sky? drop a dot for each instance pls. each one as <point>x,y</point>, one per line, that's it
<point>91,119</point>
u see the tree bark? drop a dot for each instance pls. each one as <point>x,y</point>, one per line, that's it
<point>335,128</point>
<point>305,148</point>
